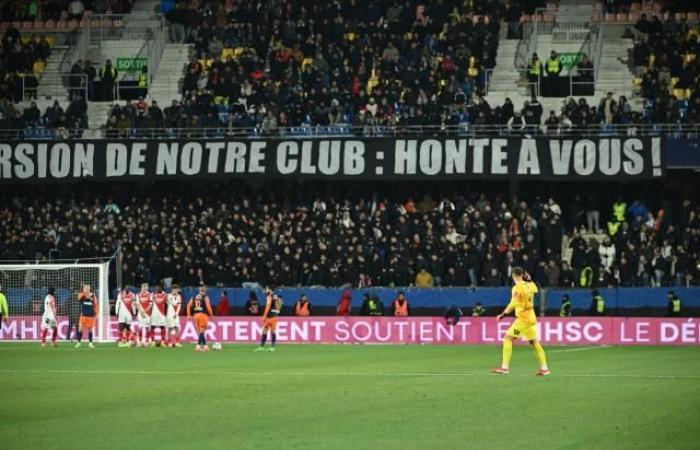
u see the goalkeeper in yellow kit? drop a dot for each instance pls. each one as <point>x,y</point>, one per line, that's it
<point>525,324</point>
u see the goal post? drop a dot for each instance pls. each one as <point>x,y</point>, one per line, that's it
<point>26,285</point>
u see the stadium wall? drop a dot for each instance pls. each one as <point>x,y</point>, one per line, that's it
<point>639,301</point>
<point>415,330</point>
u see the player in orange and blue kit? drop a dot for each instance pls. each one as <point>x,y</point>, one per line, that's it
<point>273,307</point>
<point>88,311</point>
<point>199,308</point>
<point>525,324</point>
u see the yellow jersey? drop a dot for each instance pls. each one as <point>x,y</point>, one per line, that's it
<point>523,301</point>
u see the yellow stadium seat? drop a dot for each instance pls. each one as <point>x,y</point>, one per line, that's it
<point>473,72</point>
<point>350,37</point>
<point>673,81</point>
<point>307,62</point>
<point>39,67</point>
<point>690,57</point>
<point>679,94</point>
<point>238,52</point>
<point>226,54</point>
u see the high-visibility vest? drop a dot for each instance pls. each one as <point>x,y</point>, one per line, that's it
<point>563,312</point>
<point>535,67</point>
<point>399,309</point>
<point>302,309</point>
<point>143,80</point>
<point>586,277</point>
<point>619,209</point>
<point>613,227</point>
<point>553,65</point>
<point>599,304</point>
<point>676,305</point>
<point>373,307</point>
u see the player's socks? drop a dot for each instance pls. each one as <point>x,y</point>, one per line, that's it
<point>274,338</point>
<point>44,332</point>
<point>507,353</point>
<point>263,339</point>
<point>90,336</point>
<point>540,355</point>
<point>54,336</point>
<point>79,336</point>
<point>163,336</point>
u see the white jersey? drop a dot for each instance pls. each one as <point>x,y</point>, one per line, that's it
<point>49,319</point>
<point>125,306</point>
<point>174,307</point>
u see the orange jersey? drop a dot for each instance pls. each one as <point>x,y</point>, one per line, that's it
<point>273,306</point>
<point>199,304</point>
<point>523,301</point>
<point>88,304</point>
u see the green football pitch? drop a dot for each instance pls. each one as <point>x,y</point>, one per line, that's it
<point>347,397</point>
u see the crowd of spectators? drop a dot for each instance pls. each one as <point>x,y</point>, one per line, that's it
<point>322,63</point>
<point>56,121</point>
<point>35,10</point>
<point>574,117</point>
<point>665,57</point>
<point>20,59</point>
<point>329,236</point>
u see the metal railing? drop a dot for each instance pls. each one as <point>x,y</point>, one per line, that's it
<point>598,50</point>
<point>117,27</point>
<point>528,87</point>
<point>68,88</point>
<point>691,131</point>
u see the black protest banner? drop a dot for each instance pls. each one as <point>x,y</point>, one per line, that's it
<point>369,158</point>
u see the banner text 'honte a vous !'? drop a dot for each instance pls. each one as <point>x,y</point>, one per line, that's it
<point>371,158</point>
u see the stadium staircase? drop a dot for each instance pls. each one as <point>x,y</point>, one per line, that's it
<point>167,83</point>
<point>145,9</point>
<point>506,80</point>
<point>51,86</point>
<point>566,252</point>
<point>614,73</point>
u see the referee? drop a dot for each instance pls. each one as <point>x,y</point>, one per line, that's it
<point>4,310</point>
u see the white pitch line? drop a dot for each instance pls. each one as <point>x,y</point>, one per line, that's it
<point>339,374</point>
<point>577,349</point>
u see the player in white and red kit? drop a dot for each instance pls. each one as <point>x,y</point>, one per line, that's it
<point>172,318</point>
<point>160,305</point>
<point>50,318</point>
<point>144,305</point>
<point>126,310</point>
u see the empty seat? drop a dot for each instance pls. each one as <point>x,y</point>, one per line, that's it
<point>39,67</point>
<point>226,54</point>
<point>679,94</point>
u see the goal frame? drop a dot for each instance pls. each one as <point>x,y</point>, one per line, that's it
<point>102,292</point>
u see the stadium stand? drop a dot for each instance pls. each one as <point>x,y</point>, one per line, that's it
<point>325,235</point>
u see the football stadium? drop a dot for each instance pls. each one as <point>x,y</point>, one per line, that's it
<point>349,224</point>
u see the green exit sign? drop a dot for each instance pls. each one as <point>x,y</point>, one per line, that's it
<point>569,60</point>
<point>131,64</point>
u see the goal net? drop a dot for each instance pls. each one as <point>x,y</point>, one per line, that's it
<point>26,286</point>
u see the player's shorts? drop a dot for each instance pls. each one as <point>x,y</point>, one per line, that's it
<point>144,321</point>
<point>523,329</point>
<point>270,323</point>
<point>87,322</point>
<point>48,321</point>
<point>125,317</point>
<point>157,319</point>
<point>172,321</point>
<point>201,321</point>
